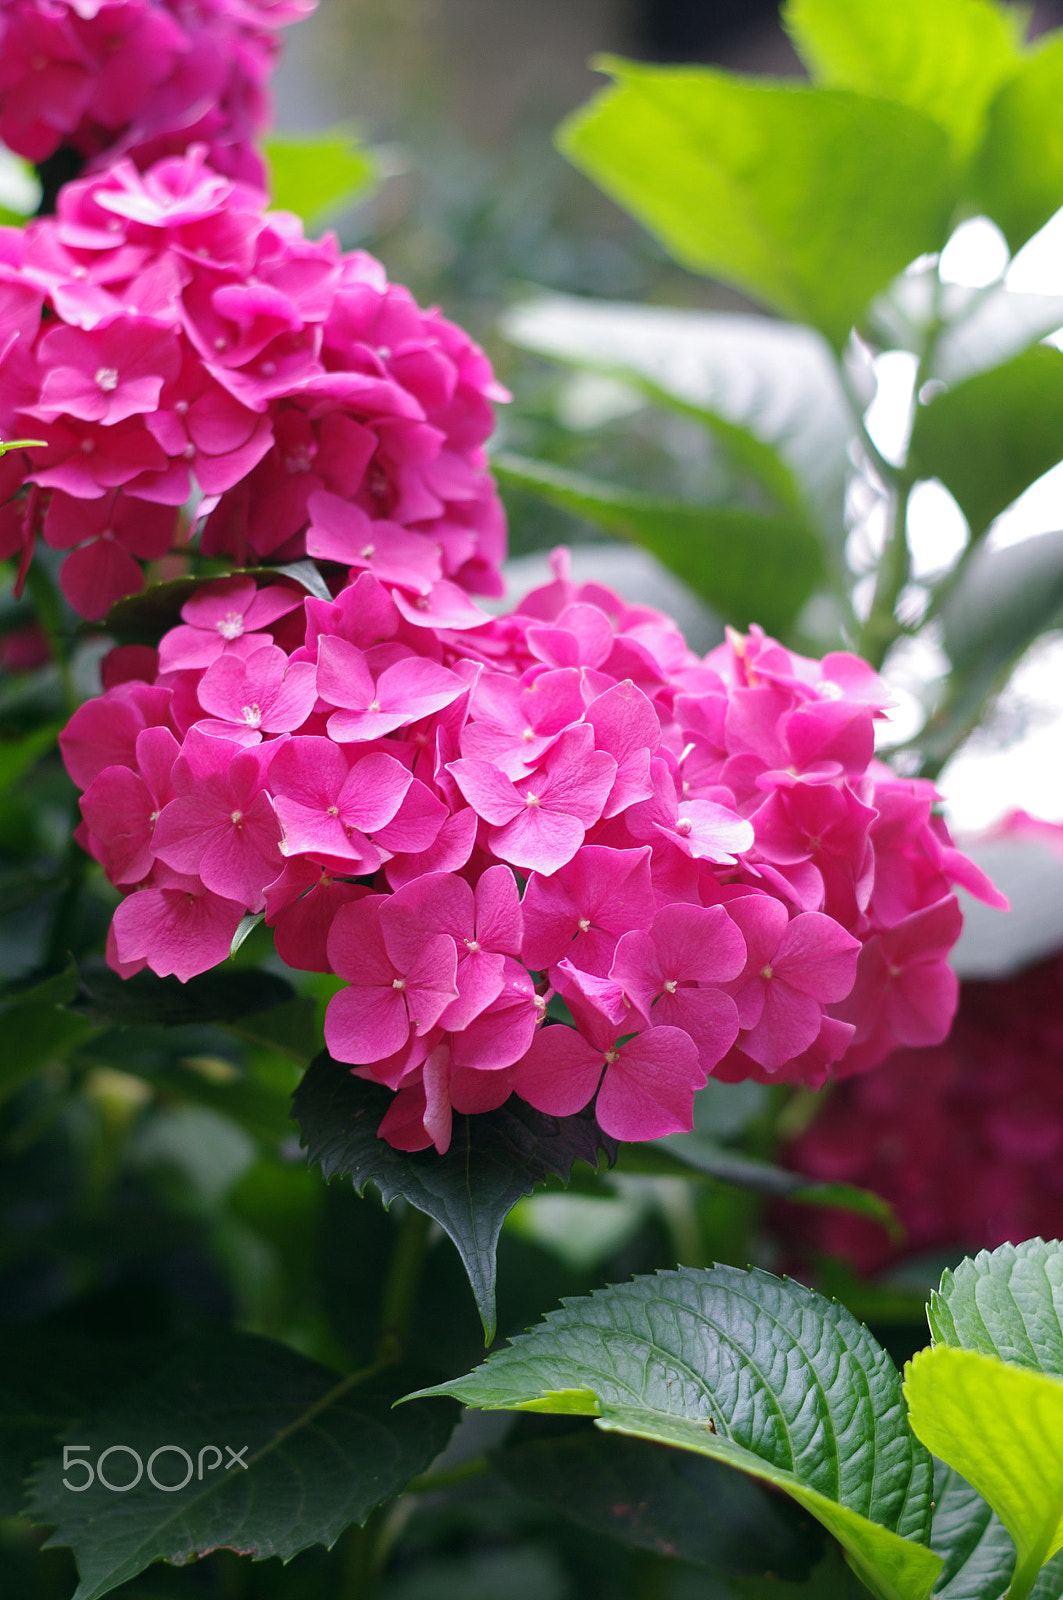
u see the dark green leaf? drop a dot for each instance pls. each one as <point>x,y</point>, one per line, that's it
<point>319,174</point>
<point>1019,171</point>
<point>1006,1303</point>
<point>978,1551</point>
<point>669,1501</point>
<point>989,438</point>
<point>226,994</point>
<point>290,1028</point>
<point>769,390</point>
<point>57,990</point>
<point>38,1034</point>
<point>946,60</point>
<point>751,568</point>
<point>811,200</point>
<point>321,1451</point>
<point>144,618</point>
<point>494,1159</point>
<point>754,1371</point>
<point>47,1381</point>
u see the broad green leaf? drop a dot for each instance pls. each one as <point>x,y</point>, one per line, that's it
<point>751,568</point>
<point>669,1501</point>
<point>978,1551</point>
<point>1006,1303</point>
<point>754,1371</point>
<point>1019,172</point>
<point>990,437</point>
<point>321,1452</point>
<point>770,390</point>
<point>810,200</point>
<point>318,174</point>
<point>959,331</point>
<point>494,1160</point>
<point>946,60</point>
<point>1001,1427</point>
<point>47,1381</point>
<point>1003,601</point>
<point>226,994</point>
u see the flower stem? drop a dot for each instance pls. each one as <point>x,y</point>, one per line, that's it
<point>403,1279</point>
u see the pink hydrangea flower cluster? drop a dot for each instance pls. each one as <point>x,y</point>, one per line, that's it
<point>173,344</point>
<point>140,78</point>
<point>964,1140</point>
<point>553,853</point>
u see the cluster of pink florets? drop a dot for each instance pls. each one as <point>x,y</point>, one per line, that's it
<point>964,1140</point>
<point>142,78</point>
<point>175,346</point>
<point>481,824</point>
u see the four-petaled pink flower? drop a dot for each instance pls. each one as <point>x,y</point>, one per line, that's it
<point>394,991</point>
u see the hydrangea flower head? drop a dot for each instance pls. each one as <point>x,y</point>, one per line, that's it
<point>552,853</point>
<point>143,78</point>
<point>175,345</point>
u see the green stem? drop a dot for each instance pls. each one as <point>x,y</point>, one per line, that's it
<point>359,1556</point>
<point>403,1279</point>
<point>75,865</point>
<point>429,1482</point>
<point>882,628</point>
<point>1025,1576</point>
<point>49,610</point>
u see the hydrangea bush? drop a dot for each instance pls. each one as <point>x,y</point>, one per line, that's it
<point>494,891</point>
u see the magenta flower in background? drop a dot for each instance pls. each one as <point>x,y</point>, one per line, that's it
<point>143,78</point>
<point>184,354</point>
<point>963,1138</point>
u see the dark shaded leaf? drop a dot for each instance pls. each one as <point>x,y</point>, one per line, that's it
<point>47,1381</point>
<point>225,994</point>
<point>494,1159</point>
<point>144,618</point>
<point>321,1452</point>
<point>669,1501</point>
<point>749,567</point>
